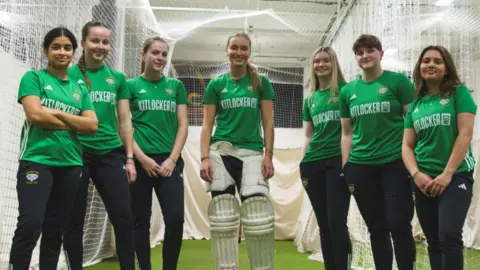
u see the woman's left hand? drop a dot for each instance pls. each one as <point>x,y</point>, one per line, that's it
<point>267,168</point>
<point>439,184</point>
<point>167,167</point>
<point>131,172</point>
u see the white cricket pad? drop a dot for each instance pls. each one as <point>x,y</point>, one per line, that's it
<point>252,178</point>
<point>258,219</point>
<point>253,181</point>
<point>221,178</point>
<point>224,218</point>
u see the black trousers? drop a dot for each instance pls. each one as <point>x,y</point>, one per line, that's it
<point>44,192</point>
<point>442,219</point>
<point>330,199</point>
<point>384,197</point>
<point>110,178</point>
<point>170,194</point>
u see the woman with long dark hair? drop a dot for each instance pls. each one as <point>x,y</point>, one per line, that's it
<point>437,152</point>
<point>57,108</point>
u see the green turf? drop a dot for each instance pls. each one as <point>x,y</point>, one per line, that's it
<point>196,255</point>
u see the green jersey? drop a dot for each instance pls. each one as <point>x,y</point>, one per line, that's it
<point>238,109</point>
<point>52,147</point>
<point>154,112</point>
<point>322,110</point>
<point>434,119</point>
<point>107,87</point>
<point>376,112</point>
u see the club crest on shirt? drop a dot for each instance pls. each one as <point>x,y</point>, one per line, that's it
<point>444,101</point>
<point>110,81</point>
<point>383,90</point>
<point>77,96</point>
<point>169,91</point>
<point>250,88</point>
<point>333,100</point>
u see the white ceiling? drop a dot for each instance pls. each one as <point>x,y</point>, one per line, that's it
<point>283,32</point>
<point>277,28</point>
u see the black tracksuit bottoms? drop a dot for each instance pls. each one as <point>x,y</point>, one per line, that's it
<point>328,193</point>
<point>442,219</point>
<point>384,197</point>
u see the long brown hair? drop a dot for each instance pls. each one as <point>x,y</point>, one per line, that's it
<point>146,46</point>
<point>336,76</point>
<point>251,70</point>
<point>450,80</point>
<point>81,62</point>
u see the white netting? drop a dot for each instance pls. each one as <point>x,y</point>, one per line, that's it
<point>197,32</point>
<point>23,24</point>
<point>405,27</point>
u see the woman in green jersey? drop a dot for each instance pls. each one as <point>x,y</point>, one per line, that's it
<point>240,101</point>
<point>372,110</point>
<point>108,157</point>
<point>158,101</point>
<point>437,153</point>
<point>50,169</point>
<point>321,165</point>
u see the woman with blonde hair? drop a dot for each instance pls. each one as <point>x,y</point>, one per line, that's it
<point>321,165</point>
<point>240,101</point>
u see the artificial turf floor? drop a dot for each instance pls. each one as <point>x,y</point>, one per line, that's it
<point>196,255</point>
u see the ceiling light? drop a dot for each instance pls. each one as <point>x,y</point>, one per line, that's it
<point>443,3</point>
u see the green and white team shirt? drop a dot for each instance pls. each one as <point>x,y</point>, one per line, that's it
<point>434,119</point>
<point>52,147</point>
<point>322,110</point>
<point>238,109</point>
<point>376,112</point>
<point>108,86</point>
<point>154,112</point>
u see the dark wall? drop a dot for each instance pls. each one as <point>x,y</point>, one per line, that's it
<point>287,106</point>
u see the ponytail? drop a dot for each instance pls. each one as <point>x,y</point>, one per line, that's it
<point>83,69</point>
<point>255,77</point>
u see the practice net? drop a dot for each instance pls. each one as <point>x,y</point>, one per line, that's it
<point>404,26</point>
<point>23,24</point>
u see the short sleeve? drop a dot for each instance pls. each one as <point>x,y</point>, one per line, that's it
<point>131,87</point>
<point>29,85</point>
<point>123,89</point>
<point>404,89</point>
<point>267,92</point>
<point>306,111</point>
<point>464,101</point>
<point>181,94</point>
<point>408,123</point>
<point>87,104</point>
<point>210,95</point>
<point>343,106</point>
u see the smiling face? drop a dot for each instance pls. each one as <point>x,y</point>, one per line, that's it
<point>322,64</point>
<point>60,52</point>
<point>238,50</point>
<point>368,58</point>
<point>432,67</point>
<point>97,43</point>
<point>155,56</point>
